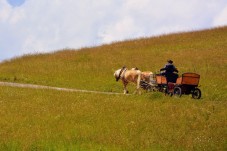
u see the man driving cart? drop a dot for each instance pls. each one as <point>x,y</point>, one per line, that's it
<point>169,72</point>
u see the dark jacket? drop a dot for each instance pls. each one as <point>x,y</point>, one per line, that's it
<point>169,68</point>
<point>169,72</point>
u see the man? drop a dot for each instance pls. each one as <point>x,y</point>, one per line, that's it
<point>169,72</point>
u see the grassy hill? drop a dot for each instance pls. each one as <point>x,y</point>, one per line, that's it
<point>203,52</point>
<point>46,120</point>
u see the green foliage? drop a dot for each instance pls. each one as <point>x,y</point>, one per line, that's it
<point>53,120</point>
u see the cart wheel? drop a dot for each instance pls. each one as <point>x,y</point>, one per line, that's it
<point>177,91</point>
<point>196,94</point>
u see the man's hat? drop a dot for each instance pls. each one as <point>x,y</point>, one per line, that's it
<point>169,61</point>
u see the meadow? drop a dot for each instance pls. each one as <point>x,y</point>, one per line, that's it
<point>53,120</point>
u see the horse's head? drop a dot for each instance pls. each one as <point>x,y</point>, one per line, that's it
<point>117,74</point>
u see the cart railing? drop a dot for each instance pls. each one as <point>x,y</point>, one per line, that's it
<point>160,79</point>
<point>189,79</point>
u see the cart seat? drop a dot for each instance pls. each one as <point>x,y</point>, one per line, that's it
<point>161,79</point>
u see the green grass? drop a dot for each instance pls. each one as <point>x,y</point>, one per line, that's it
<point>52,120</point>
<point>47,119</point>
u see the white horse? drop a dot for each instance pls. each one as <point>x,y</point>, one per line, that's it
<point>127,76</point>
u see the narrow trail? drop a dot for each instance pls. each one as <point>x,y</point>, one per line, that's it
<point>33,86</point>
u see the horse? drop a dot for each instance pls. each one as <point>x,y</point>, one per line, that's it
<point>146,76</point>
<point>147,79</point>
<point>127,76</point>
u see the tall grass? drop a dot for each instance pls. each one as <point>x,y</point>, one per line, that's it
<point>50,120</point>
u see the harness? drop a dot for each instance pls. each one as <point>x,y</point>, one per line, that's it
<point>122,70</point>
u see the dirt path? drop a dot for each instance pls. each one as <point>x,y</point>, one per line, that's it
<point>33,86</point>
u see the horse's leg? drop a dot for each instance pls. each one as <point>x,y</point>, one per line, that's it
<point>138,84</point>
<point>125,88</point>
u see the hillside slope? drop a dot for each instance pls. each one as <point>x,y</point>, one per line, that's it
<point>46,119</point>
<point>203,52</point>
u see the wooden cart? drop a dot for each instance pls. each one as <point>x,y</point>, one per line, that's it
<point>186,84</point>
